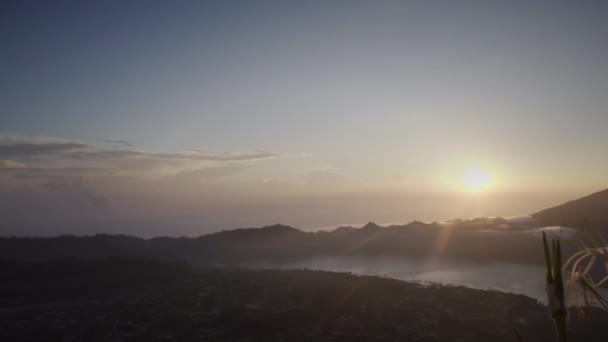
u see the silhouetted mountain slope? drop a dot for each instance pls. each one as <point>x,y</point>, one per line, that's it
<point>590,210</point>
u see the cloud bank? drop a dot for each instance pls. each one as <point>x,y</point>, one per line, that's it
<point>66,186</point>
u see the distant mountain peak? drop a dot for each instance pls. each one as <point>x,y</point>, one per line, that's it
<point>371,225</point>
<point>278,226</point>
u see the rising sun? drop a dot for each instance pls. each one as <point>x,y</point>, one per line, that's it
<point>475,179</point>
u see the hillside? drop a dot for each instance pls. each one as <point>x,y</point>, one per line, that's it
<point>159,303</point>
<point>589,211</point>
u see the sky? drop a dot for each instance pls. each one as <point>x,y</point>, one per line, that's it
<point>186,117</point>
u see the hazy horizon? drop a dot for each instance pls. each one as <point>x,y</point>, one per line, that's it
<point>192,117</point>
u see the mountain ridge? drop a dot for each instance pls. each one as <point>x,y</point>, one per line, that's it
<point>480,239</point>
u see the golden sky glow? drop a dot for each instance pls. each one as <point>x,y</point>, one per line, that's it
<point>208,115</point>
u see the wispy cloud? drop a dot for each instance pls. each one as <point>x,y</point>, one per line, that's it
<point>208,154</point>
<point>44,173</point>
<point>117,142</point>
<point>25,150</point>
<point>50,157</point>
<point>197,155</point>
<point>10,164</point>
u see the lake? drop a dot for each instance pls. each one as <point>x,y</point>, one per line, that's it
<point>527,280</point>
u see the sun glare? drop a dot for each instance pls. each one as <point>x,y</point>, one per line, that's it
<point>475,179</point>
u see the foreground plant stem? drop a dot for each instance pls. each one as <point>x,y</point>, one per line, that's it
<point>554,287</point>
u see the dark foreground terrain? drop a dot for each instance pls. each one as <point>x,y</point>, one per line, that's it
<point>130,300</point>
